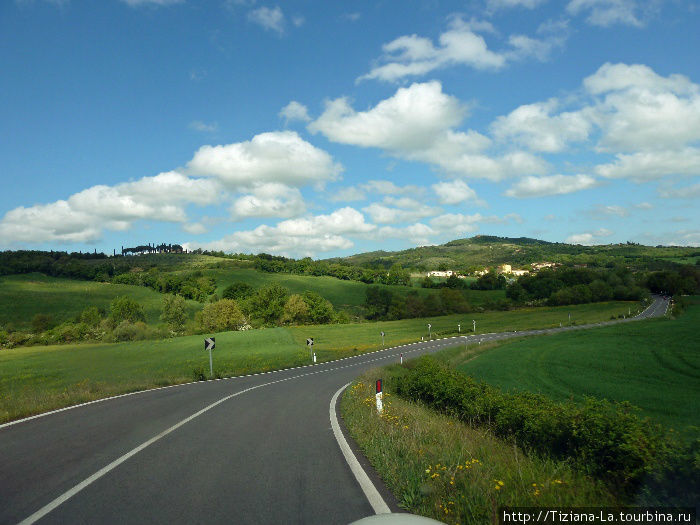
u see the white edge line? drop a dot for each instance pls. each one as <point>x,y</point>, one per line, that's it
<point>371,493</point>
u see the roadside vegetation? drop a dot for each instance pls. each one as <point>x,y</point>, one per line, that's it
<point>561,401</point>
<point>449,470</point>
<point>40,378</point>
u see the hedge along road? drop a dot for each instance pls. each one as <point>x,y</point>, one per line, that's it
<point>253,449</point>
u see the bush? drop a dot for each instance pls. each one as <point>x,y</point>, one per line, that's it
<point>173,312</point>
<point>221,316</point>
<point>607,440</point>
<point>127,331</point>
<point>124,308</point>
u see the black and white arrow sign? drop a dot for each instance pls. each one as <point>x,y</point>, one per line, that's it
<point>210,343</point>
<point>310,341</point>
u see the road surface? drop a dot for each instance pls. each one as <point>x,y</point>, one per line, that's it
<point>258,449</point>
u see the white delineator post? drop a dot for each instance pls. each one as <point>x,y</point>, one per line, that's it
<point>401,356</point>
<point>474,323</point>
<point>314,357</point>
<point>430,335</point>
<point>378,395</point>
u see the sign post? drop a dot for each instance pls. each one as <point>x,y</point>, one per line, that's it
<point>474,322</point>
<point>380,406</point>
<point>382,338</point>
<point>210,344</point>
<point>430,335</point>
<point>310,344</point>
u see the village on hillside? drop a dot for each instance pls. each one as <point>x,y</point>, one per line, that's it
<point>503,269</point>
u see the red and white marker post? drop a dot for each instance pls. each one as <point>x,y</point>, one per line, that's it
<point>380,406</point>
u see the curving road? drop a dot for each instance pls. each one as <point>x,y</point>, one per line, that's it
<point>256,449</point>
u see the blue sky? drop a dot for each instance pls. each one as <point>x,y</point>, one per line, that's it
<point>331,128</point>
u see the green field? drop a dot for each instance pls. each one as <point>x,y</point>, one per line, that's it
<point>23,296</point>
<point>345,295</point>
<point>654,364</point>
<point>37,379</point>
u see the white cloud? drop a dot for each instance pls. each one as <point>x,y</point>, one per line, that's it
<point>198,125</point>
<point>269,200</point>
<point>588,238</point>
<point>195,228</point>
<point>270,19</point>
<point>352,17</point>
<point>647,205</point>
<point>651,165</point>
<point>297,237</point>
<point>642,110</point>
<point>298,20</point>
<point>386,187</point>
<point>534,126</point>
<point>607,12</point>
<point>281,156</point>
<point>347,195</point>
<point>138,3</point>
<point>687,192</point>
<point>455,192</point>
<point>393,210</point>
<point>84,215</point>
<point>418,233</point>
<point>612,209</point>
<point>550,185</point>
<point>461,44</point>
<point>295,111</point>
<point>416,124</point>
<point>506,4</point>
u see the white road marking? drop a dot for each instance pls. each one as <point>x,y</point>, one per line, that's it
<point>371,493</point>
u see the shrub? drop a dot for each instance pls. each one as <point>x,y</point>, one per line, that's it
<point>128,331</point>
<point>607,440</point>
<point>41,322</point>
<point>173,312</point>
<point>221,316</point>
<point>124,308</point>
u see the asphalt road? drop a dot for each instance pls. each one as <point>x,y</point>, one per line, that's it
<point>256,449</point>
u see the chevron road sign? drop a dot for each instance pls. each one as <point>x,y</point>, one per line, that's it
<point>210,344</point>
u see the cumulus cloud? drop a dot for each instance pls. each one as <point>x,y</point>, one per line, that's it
<point>607,12</point>
<point>304,236</point>
<point>138,3</point>
<point>295,111</point>
<point>270,19</point>
<point>269,200</point>
<point>588,238</point>
<point>281,156</point>
<point>417,123</point>
<point>84,215</point>
<point>347,195</point>
<point>611,209</point>
<point>461,44</point>
<point>456,192</point>
<point>641,110</point>
<point>651,165</point>
<point>393,210</point>
<point>550,185</point>
<point>534,126</point>
<point>507,4</point>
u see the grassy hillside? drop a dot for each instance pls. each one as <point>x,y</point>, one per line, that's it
<point>23,296</point>
<point>37,379</point>
<point>483,250</point>
<point>654,364</point>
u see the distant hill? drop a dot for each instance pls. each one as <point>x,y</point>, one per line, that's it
<point>489,250</point>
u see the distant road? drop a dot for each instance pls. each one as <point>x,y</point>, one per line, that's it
<point>249,450</point>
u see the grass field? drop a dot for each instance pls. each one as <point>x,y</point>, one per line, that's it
<point>345,295</point>
<point>654,364</point>
<point>37,379</point>
<point>23,296</point>
<point>439,467</point>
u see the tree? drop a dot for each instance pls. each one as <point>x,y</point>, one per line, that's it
<point>173,312</point>
<point>320,309</point>
<point>221,316</point>
<point>377,302</point>
<point>123,308</point>
<point>295,310</point>
<point>267,304</point>
<point>237,290</point>
<point>397,275</point>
